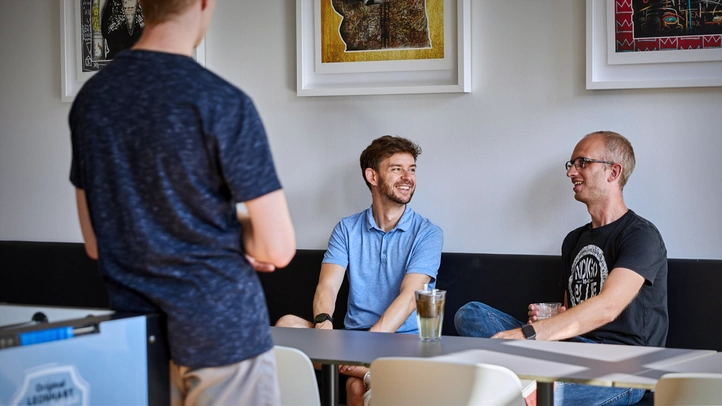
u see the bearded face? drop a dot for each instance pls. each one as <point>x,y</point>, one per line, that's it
<point>397,178</point>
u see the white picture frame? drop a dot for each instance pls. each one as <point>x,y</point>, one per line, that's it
<point>450,75</point>
<point>646,71</point>
<point>72,77</point>
<point>680,55</point>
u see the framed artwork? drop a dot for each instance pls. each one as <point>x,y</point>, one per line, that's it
<point>653,43</point>
<point>366,47</point>
<point>92,32</point>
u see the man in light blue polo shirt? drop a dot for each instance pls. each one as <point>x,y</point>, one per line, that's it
<point>388,250</point>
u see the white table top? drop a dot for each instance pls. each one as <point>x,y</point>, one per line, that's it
<point>544,361</point>
<point>705,364</point>
<point>590,364</point>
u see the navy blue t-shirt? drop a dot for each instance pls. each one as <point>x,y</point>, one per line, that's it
<point>164,149</point>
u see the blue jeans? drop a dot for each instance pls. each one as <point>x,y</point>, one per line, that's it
<point>476,319</point>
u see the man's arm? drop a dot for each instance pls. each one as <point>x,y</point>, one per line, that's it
<point>426,258</point>
<point>394,316</point>
<point>268,234</point>
<point>404,304</point>
<point>86,226</point>
<point>329,283</point>
<point>618,291</point>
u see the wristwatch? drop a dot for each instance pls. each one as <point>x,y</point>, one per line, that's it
<point>321,317</point>
<point>528,331</point>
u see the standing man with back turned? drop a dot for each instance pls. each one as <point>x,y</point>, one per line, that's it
<point>388,250</point>
<point>163,150</point>
<point>614,274</point>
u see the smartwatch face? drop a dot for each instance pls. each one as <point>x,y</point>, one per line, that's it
<point>528,331</point>
<point>321,318</point>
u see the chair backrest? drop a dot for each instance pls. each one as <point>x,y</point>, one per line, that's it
<point>687,388</point>
<point>427,381</point>
<point>296,377</point>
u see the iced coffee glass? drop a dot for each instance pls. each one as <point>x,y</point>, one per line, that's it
<point>430,313</point>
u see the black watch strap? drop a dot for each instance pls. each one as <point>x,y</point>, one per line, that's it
<point>321,317</point>
<point>528,331</point>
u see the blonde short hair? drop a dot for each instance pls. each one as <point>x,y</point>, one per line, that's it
<point>158,11</point>
<point>619,150</point>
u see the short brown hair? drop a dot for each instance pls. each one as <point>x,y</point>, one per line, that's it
<point>158,11</point>
<point>382,148</point>
<point>619,150</point>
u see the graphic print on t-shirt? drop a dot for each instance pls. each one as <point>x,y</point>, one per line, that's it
<point>589,271</point>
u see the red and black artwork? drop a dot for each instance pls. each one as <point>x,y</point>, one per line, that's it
<point>658,25</point>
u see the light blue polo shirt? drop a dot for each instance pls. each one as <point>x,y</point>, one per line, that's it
<point>377,261</point>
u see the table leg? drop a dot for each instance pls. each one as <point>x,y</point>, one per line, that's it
<point>545,393</point>
<point>329,386</point>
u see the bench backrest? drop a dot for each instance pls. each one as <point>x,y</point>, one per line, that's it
<point>60,274</point>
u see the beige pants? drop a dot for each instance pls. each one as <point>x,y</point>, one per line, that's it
<point>249,382</point>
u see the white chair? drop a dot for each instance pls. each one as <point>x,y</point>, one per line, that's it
<point>296,377</point>
<point>689,388</point>
<point>427,381</point>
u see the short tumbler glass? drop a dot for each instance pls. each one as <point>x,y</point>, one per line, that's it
<point>547,310</point>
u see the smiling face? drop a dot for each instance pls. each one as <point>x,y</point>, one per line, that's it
<point>396,178</point>
<point>590,182</point>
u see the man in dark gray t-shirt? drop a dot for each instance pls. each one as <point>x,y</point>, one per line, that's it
<point>614,276</point>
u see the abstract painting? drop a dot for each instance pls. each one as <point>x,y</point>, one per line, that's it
<point>381,30</point>
<point>662,25</point>
<point>106,28</point>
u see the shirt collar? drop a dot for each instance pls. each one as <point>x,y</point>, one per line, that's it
<point>403,224</point>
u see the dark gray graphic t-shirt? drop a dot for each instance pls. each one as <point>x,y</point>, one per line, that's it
<point>589,255</point>
<point>589,272</point>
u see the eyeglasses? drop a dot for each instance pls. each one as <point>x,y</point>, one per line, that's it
<point>581,162</point>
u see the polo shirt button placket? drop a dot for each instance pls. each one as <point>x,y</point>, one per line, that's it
<point>383,249</point>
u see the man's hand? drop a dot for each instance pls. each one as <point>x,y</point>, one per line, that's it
<point>353,370</point>
<point>325,325</point>
<point>260,266</point>
<point>514,334</point>
<point>534,313</point>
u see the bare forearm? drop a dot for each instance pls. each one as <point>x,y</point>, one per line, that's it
<point>86,226</point>
<point>573,322</point>
<point>324,301</point>
<point>268,234</point>
<point>619,290</point>
<point>404,304</point>
<point>329,282</point>
<point>396,314</point>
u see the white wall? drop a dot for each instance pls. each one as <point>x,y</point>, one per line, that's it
<point>491,174</point>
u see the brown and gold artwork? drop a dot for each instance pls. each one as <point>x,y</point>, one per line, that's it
<point>381,30</point>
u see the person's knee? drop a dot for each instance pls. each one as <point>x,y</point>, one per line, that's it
<point>464,314</point>
<point>290,320</point>
<point>460,322</point>
<point>284,321</point>
<point>352,384</point>
<point>470,308</point>
<point>355,390</point>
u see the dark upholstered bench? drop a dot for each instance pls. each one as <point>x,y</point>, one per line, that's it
<point>509,283</point>
<point>50,274</point>
<point>60,274</point>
